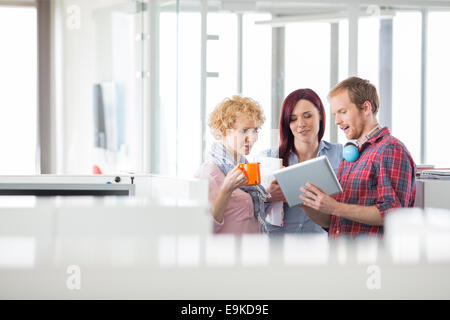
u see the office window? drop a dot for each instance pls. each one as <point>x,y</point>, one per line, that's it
<point>368,52</point>
<point>343,49</point>
<point>180,136</point>
<point>180,144</point>
<point>406,80</point>
<point>257,71</point>
<point>307,63</point>
<point>221,59</point>
<point>368,49</point>
<point>438,105</point>
<point>189,129</point>
<point>256,66</point>
<point>368,44</point>
<point>343,65</point>
<point>18,86</point>
<point>167,152</point>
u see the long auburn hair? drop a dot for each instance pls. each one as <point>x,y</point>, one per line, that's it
<point>286,136</point>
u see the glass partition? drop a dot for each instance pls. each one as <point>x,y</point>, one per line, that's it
<point>103,75</point>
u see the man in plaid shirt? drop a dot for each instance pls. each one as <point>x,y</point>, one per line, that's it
<point>382,178</point>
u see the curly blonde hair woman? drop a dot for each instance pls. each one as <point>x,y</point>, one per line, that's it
<point>236,208</point>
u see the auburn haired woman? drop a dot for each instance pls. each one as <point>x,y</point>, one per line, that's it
<point>302,125</point>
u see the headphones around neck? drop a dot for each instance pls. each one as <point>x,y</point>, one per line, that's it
<point>351,148</point>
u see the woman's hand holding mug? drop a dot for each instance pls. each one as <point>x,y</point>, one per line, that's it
<point>233,180</point>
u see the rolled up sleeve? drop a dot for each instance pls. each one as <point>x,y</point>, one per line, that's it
<point>395,187</point>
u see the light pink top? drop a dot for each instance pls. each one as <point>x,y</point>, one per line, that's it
<point>238,216</point>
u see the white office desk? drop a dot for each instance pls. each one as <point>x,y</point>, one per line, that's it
<point>70,189</point>
<point>140,249</point>
<point>139,185</point>
<point>123,269</point>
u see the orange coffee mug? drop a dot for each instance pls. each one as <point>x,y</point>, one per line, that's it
<point>251,172</point>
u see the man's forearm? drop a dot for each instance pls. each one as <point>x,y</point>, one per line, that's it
<point>362,214</point>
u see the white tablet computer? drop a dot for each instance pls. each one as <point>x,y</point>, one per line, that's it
<point>317,171</point>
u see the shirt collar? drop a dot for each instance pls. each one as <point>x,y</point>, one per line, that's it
<point>378,136</point>
<point>322,146</point>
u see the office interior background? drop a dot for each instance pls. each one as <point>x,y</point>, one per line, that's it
<point>126,87</point>
<point>160,67</point>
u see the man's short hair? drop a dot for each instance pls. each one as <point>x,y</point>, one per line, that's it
<point>359,91</point>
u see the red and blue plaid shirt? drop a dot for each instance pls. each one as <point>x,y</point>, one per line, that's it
<point>383,176</point>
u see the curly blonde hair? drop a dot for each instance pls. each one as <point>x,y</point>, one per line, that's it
<point>229,110</point>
